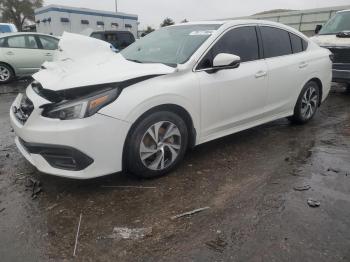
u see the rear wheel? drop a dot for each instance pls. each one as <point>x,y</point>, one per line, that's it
<point>156,145</point>
<point>307,104</point>
<point>6,74</point>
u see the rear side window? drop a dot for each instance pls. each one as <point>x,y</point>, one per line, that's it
<point>97,36</point>
<point>126,40</point>
<point>276,42</point>
<point>242,42</point>
<point>48,43</point>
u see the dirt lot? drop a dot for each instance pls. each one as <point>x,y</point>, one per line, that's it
<point>246,179</point>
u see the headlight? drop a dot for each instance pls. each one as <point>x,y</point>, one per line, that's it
<point>81,108</point>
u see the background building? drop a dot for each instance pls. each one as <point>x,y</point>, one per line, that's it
<point>302,20</point>
<point>54,19</point>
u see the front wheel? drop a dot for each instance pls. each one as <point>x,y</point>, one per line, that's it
<point>156,145</point>
<point>307,104</point>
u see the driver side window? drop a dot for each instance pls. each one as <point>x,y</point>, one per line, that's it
<point>242,42</point>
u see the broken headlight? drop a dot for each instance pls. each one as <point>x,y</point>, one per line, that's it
<point>81,108</point>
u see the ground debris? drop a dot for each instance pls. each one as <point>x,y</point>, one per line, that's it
<point>335,170</point>
<point>35,185</point>
<point>127,187</point>
<point>120,233</point>
<point>218,245</point>
<point>189,213</point>
<point>2,209</point>
<point>313,203</point>
<point>51,207</point>
<point>77,236</point>
<point>302,188</point>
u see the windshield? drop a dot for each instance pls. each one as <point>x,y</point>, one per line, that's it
<point>169,45</point>
<point>339,23</point>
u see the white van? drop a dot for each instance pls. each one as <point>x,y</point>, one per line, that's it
<point>7,28</point>
<point>335,35</point>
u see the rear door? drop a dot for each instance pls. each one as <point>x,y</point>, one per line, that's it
<point>287,66</point>
<point>48,46</point>
<point>22,53</point>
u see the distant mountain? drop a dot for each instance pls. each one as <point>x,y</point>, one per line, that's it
<point>274,11</point>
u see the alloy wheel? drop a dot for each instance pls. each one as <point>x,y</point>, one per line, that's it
<point>5,74</point>
<point>160,145</point>
<point>309,102</point>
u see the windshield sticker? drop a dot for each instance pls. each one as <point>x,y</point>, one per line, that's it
<point>203,32</point>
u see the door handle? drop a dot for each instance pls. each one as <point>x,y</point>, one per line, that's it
<point>303,65</point>
<point>260,74</point>
<point>48,54</point>
<point>10,53</point>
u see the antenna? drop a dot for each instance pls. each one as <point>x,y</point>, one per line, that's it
<point>116,6</point>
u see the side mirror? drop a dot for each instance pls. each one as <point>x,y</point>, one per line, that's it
<point>225,61</point>
<point>318,29</point>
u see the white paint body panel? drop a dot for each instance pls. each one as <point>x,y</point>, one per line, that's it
<point>219,104</point>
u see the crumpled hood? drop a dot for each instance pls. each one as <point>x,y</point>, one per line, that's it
<point>330,40</point>
<point>85,61</point>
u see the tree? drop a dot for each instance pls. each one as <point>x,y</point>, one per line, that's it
<point>147,31</point>
<point>19,11</point>
<point>167,21</point>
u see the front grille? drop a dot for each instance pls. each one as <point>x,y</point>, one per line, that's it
<point>341,55</point>
<point>24,110</point>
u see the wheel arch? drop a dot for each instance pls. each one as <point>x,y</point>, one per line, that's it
<point>320,87</point>
<point>177,109</point>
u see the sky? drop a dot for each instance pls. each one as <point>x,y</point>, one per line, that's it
<point>153,12</point>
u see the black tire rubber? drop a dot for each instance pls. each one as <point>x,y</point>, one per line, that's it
<point>12,74</point>
<point>348,88</point>
<point>133,161</point>
<point>297,117</point>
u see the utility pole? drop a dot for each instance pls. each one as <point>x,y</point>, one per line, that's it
<point>116,6</point>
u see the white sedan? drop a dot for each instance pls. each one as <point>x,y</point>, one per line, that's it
<point>92,112</point>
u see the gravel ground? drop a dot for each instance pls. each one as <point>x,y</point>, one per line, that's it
<point>248,180</point>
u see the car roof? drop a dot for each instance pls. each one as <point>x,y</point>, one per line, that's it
<point>25,33</point>
<point>111,31</point>
<point>232,22</point>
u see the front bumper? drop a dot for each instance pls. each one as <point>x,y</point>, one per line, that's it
<point>100,139</point>
<point>341,75</point>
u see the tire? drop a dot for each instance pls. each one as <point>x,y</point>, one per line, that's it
<point>307,104</point>
<point>147,159</point>
<point>348,88</point>
<point>6,74</point>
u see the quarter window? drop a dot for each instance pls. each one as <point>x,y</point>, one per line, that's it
<point>276,42</point>
<point>242,42</point>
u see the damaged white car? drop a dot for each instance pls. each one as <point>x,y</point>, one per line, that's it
<point>92,112</point>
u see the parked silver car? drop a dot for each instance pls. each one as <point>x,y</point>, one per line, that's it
<point>22,54</point>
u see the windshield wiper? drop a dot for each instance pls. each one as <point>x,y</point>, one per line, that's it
<point>344,34</point>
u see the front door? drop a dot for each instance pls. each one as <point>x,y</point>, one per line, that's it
<point>232,98</point>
